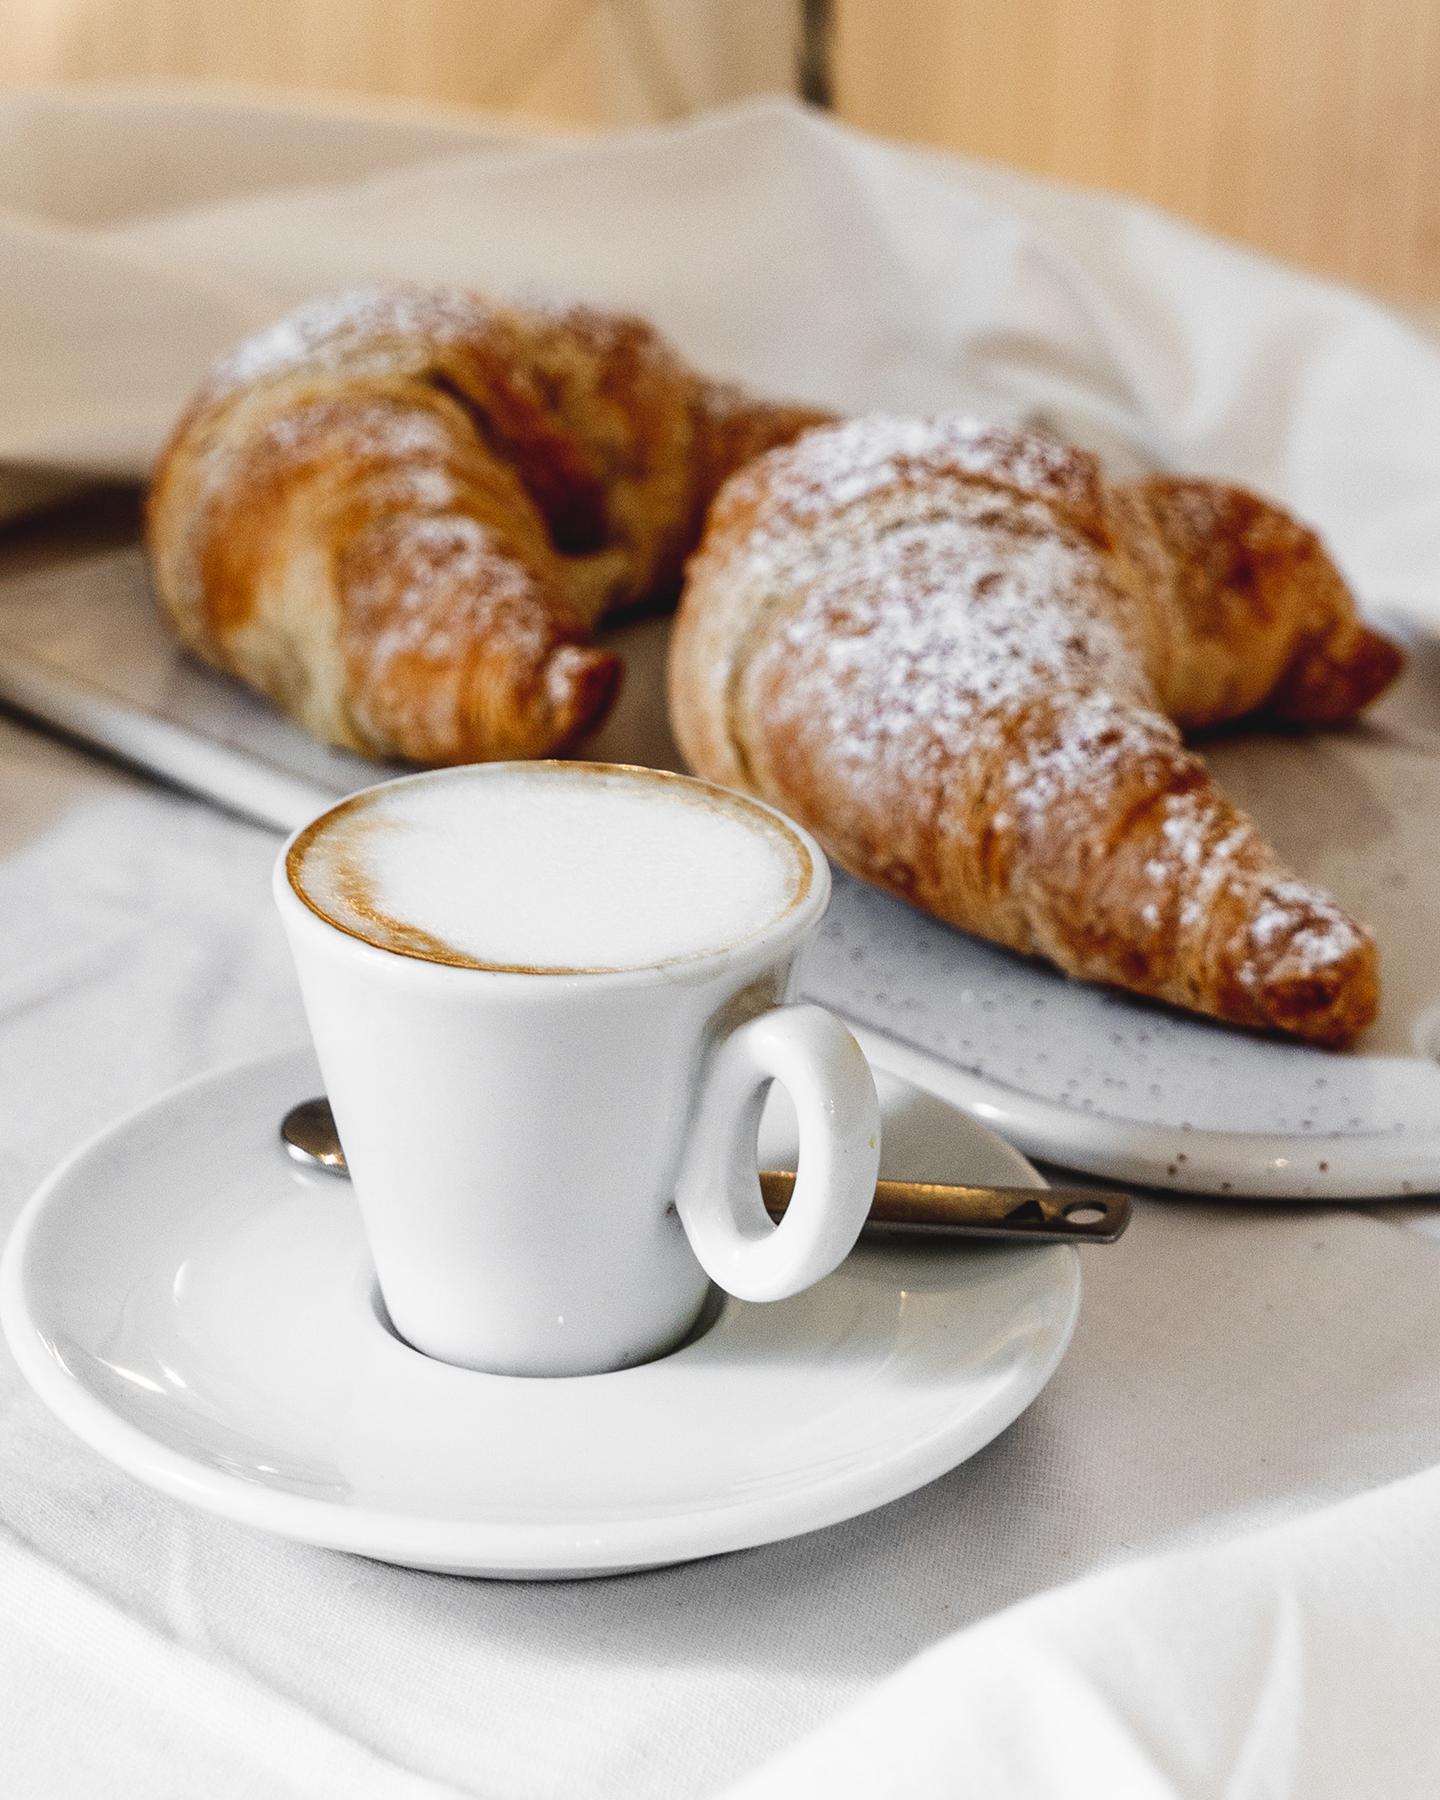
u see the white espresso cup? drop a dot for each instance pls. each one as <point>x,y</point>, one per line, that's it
<point>545,998</point>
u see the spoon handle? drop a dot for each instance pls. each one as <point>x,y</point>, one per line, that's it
<point>1076,1215</point>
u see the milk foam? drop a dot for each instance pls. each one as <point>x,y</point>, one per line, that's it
<point>549,867</point>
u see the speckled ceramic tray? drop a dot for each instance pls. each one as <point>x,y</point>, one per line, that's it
<point>1071,1073</point>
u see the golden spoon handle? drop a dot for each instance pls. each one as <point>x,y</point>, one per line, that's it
<point>1079,1215</point>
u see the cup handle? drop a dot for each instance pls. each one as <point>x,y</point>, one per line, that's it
<point>737,1243</point>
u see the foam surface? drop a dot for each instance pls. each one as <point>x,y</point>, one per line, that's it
<point>551,868</point>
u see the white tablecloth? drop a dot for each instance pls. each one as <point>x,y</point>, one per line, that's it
<point>1237,1370</point>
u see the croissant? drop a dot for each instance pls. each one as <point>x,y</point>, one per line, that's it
<point>964,661</point>
<point>400,513</point>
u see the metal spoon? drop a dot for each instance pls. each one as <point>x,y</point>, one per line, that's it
<point>1074,1215</point>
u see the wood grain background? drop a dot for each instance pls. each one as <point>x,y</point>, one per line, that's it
<point>1310,128</point>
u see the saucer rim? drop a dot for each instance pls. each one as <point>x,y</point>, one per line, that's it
<point>544,1550</point>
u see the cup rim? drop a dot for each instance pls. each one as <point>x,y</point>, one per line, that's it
<point>804,906</point>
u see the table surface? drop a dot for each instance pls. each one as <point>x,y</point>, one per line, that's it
<point>1234,1365</point>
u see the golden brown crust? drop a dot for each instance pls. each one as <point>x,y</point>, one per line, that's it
<point>400,513</point>
<point>960,657</point>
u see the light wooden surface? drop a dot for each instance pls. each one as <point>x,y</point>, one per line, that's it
<point>526,53</point>
<point>1310,128</point>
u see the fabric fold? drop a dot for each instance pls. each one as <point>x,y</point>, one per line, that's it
<point>1297,1663</point>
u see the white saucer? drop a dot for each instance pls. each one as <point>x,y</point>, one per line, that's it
<point>201,1312</point>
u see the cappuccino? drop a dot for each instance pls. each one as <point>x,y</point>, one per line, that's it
<point>550,868</point>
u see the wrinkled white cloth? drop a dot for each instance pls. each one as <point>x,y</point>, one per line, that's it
<point>1236,1447</point>
<point>1295,1662</point>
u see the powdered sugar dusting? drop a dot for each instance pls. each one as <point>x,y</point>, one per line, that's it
<point>333,328</point>
<point>1306,924</point>
<point>408,439</point>
<point>922,634</point>
<point>456,556</point>
<point>929,612</point>
<point>845,463</point>
<point>402,323</point>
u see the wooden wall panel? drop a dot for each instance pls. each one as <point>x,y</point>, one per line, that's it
<point>1310,128</point>
<point>540,56</point>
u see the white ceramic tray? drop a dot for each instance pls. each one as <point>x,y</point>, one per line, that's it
<point>1074,1074</point>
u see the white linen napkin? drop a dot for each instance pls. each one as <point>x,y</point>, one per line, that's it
<point>773,245</point>
<point>1300,1663</point>
<point>155,1715</point>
